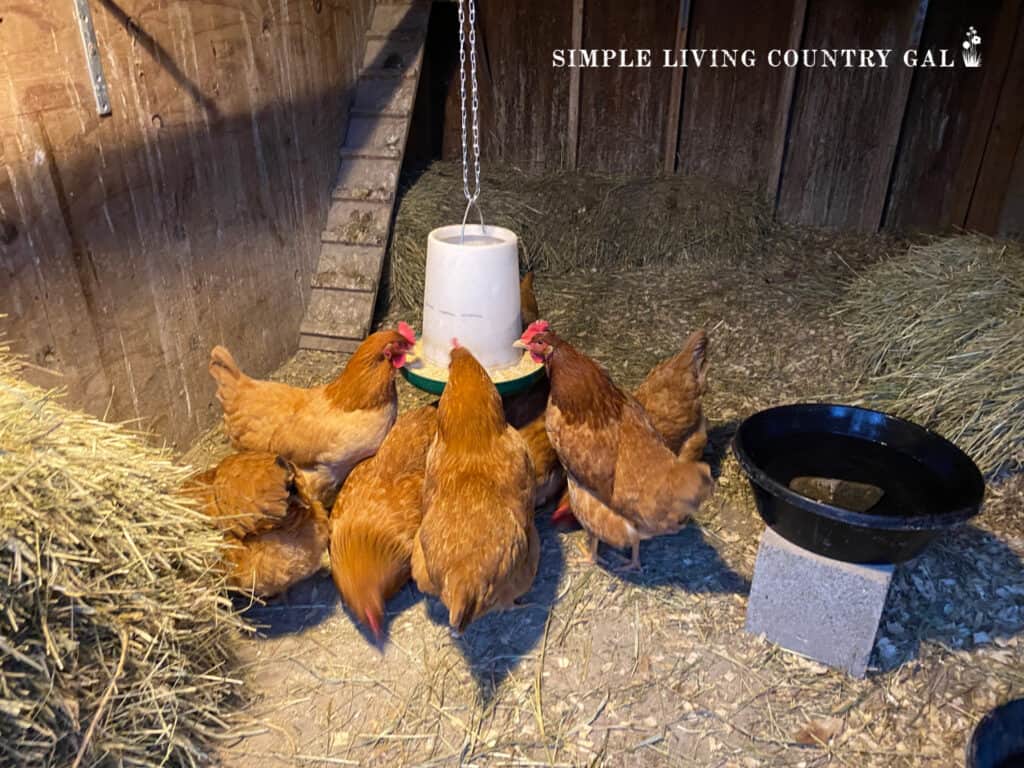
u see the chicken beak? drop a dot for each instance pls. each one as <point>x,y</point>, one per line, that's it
<point>519,344</point>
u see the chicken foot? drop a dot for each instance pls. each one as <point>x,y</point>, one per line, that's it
<point>587,552</point>
<point>632,565</point>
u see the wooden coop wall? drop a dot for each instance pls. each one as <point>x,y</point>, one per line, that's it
<point>897,148</point>
<point>131,244</point>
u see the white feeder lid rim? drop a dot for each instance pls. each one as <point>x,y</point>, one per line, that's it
<point>503,236</point>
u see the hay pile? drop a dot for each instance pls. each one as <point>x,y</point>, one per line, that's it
<point>567,220</point>
<point>115,636</point>
<point>939,332</point>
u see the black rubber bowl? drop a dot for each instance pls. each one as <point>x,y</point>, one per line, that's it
<point>998,741</point>
<point>929,484</point>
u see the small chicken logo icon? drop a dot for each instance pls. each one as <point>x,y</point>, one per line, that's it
<point>971,53</point>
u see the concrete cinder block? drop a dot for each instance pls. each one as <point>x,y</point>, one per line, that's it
<point>824,609</point>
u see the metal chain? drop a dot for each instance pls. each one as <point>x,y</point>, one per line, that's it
<point>476,97</point>
<point>471,197</point>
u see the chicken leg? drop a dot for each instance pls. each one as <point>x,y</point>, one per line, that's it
<point>633,564</point>
<point>587,554</point>
<point>603,524</point>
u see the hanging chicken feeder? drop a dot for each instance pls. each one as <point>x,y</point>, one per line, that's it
<point>471,291</point>
<point>471,294</point>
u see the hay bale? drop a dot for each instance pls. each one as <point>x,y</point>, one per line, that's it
<point>566,220</point>
<point>939,332</point>
<point>115,634</point>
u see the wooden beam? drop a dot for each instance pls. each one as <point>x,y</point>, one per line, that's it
<point>1004,136</point>
<point>995,67</point>
<point>675,104</point>
<point>572,151</point>
<point>895,121</point>
<point>785,111</point>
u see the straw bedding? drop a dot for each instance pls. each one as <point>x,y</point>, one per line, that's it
<point>938,332</point>
<point>115,635</point>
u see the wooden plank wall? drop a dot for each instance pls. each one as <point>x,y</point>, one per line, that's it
<point>903,149</point>
<point>939,159</point>
<point>845,123</point>
<point>1005,136</point>
<point>623,110</point>
<point>524,117</point>
<point>130,245</point>
<point>730,126</point>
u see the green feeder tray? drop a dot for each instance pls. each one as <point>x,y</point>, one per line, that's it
<point>508,381</point>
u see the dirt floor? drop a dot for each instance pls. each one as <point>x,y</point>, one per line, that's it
<point>655,669</point>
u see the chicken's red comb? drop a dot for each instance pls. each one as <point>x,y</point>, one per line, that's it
<point>534,328</point>
<point>407,332</point>
<point>455,343</point>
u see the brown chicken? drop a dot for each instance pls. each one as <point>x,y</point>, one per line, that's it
<point>523,407</point>
<point>376,516</point>
<point>548,473</point>
<point>275,531</point>
<point>525,412</point>
<point>324,430</point>
<point>528,301</point>
<point>477,548</point>
<point>671,395</point>
<point>625,484</point>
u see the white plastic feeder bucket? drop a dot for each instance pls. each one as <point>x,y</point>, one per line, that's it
<point>471,293</point>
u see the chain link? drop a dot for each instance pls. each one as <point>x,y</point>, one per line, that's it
<point>471,197</point>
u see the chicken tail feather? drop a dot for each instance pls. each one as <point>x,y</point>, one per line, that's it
<point>461,611</point>
<point>697,347</point>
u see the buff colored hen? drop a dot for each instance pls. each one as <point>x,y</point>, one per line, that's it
<point>275,530</point>
<point>376,516</point>
<point>324,430</point>
<point>477,547</point>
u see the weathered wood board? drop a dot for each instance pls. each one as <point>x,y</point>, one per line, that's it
<point>949,113</point>
<point>623,110</point>
<point>731,114</point>
<point>846,121</point>
<point>332,310</point>
<point>995,177</point>
<point>1011,221</point>
<point>523,102</point>
<point>367,178</point>
<point>130,245</point>
<point>348,267</point>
